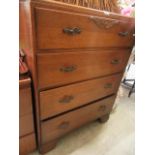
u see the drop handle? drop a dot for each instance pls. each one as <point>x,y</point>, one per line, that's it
<point>102,108</point>
<point>66,99</point>
<point>123,34</point>
<point>64,125</point>
<point>67,69</point>
<point>72,31</point>
<point>115,61</point>
<point>108,85</point>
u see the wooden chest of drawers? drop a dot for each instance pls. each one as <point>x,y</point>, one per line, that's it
<point>77,57</point>
<point>27,139</point>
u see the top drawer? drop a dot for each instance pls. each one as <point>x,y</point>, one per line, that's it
<point>63,30</point>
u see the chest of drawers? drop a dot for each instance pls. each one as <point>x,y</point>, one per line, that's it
<point>27,139</point>
<point>77,57</point>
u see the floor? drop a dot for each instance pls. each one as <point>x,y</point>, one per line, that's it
<point>116,137</point>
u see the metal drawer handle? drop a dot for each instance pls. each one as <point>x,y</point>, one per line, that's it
<point>102,108</point>
<point>63,125</point>
<point>66,99</point>
<point>68,68</point>
<point>115,61</point>
<point>123,34</point>
<point>108,85</point>
<point>72,31</point>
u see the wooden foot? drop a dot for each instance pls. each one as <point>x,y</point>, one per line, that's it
<point>104,118</point>
<point>44,148</point>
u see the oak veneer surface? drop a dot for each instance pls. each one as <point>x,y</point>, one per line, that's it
<point>65,98</point>
<point>27,140</point>
<point>26,124</point>
<point>72,53</point>
<point>27,144</point>
<point>57,127</point>
<point>84,65</point>
<point>94,31</point>
<point>25,106</point>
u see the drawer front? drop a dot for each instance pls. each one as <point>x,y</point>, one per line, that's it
<point>27,144</point>
<point>61,99</point>
<point>63,124</point>
<point>26,125</point>
<point>25,101</point>
<point>63,68</point>
<point>62,29</point>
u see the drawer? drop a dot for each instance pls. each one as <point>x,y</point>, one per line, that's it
<point>56,29</point>
<point>25,97</point>
<point>56,69</point>
<point>26,125</point>
<point>27,144</point>
<point>58,100</point>
<point>55,128</point>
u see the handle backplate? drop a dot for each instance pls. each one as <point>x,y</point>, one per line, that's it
<point>102,108</point>
<point>66,69</point>
<point>64,125</point>
<point>115,61</point>
<point>123,34</point>
<point>108,85</point>
<point>66,99</point>
<point>72,31</point>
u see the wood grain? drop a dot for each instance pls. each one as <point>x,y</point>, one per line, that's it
<point>27,139</point>
<point>27,144</point>
<point>63,124</point>
<point>56,101</point>
<point>89,64</point>
<point>43,40</point>
<point>25,97</point>
<point>50,33</point>
<point>26,124</point>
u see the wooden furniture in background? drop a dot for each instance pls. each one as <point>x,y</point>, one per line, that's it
<point>77,57</point>
<point>27,139</point>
